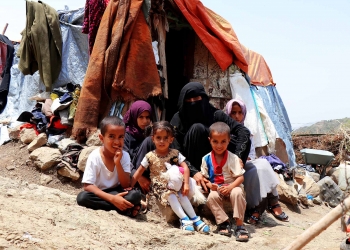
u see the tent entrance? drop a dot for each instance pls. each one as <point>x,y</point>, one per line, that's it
<point>179,50</point>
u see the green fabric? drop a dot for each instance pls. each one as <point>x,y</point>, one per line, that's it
<point>41,45</point>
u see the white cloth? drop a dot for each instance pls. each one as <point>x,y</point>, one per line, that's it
<point>145,162</point>
<point>97,173</point>
<point>257,119</point>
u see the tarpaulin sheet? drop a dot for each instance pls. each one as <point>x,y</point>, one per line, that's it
<point>215,32</point>
<point>258,70</point>
<point>74,63</point>
<point>257,119</point>
<point>278,114</point>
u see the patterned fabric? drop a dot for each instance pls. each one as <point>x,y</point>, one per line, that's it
<point>157,167</point>
<point>94,10</point>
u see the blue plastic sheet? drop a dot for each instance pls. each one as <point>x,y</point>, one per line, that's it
<point>278,114</point>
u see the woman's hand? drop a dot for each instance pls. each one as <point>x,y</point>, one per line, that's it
<point>201,180</point>
<point>144,183</point>
<point>185,189</point>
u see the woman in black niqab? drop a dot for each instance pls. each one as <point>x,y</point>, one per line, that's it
<point>192,123</point>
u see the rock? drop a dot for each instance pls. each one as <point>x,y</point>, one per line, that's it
<point>287,193</point>
<point>84,154</point>
<point>45,179</point>
<point>11,167</point>
<point>14,133</point>
<point>311,186</point>
<point>330,192</point>
<point>335,175</point>
<point>45,157</point>
<point>314,176</point>
<point>94,140</point>
<point>11,192</point>
<point>68,172</point>
<point>27,135</point>
<point>62,145</point>
<point>39,141</point>
<point>342,175</point>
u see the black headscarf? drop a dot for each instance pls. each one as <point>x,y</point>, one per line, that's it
<point>200,111</point>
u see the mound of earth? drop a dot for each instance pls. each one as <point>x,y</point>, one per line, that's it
<point>34,216</point>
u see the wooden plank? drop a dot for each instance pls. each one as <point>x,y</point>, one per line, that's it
<point>161,50</point>
<point>5,28</point>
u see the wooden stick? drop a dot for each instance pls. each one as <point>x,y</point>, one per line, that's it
<point>161,50</point>
<point>4,30</point>
<point>320,225</point>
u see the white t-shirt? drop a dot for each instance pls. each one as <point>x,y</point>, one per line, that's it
<point>97,173</point>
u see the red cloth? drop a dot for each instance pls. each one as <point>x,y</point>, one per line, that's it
<point>94,10</point>
<point>215,32</point>
<point>29,125</point>
<point>218,176</point>
<point>3,51</point>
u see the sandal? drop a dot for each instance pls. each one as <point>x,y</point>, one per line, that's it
<point>252,219</point>
<point>241,231</point>
<point>225,226</point>
<point>186,225</point>
<point>281,217</point>
<point>200,225</point>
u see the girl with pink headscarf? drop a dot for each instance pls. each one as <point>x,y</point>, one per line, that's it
<point>260,181</point>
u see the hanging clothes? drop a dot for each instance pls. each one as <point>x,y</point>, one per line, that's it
<point>121,66</point>
<point>6,59</point>
<point>41,45</point>
<point>94,10</point>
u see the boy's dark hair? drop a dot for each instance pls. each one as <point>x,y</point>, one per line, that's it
<point>219,127</point>
<point>110,120</point>
<point>162,125</point>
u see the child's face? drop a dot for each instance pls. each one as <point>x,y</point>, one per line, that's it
<point>143,120</point>
<point>162,140</point>
<point>113,139</point>
<point>219,142</point>
<point>236,113</point>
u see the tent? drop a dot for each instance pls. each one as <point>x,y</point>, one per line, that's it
<point>192,44</point>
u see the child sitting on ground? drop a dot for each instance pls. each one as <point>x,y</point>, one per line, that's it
<point>225,172</point>
<point>106,177</point>
<point>163,136</point>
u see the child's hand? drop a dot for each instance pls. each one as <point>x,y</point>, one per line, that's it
<point>119,202</point>
<point>118,156</point>
<point>214,187</point>
<point>185,189</point>
<point>225,190</point>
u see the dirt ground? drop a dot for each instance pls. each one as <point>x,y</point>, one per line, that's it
<point>33,216</point>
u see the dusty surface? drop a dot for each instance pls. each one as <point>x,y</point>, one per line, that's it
<point>38,217</point>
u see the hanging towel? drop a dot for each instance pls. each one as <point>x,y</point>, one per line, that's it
<point>121,65</point>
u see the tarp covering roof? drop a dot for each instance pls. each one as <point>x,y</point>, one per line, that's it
<point>215,32</point>
<point>258,70</point>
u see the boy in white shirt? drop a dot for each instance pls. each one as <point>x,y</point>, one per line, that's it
<point>106,177</point>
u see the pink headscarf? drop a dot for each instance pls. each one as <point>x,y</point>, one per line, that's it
<point>228,108</point>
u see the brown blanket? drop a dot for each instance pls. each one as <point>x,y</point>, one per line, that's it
<point>121,66</point>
